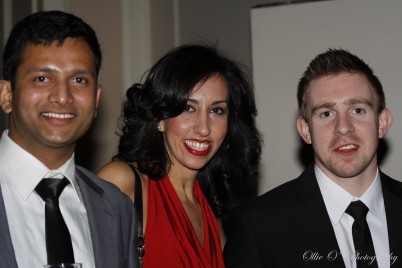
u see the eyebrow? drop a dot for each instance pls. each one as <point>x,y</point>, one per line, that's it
<point>359,101</point>
<point>324,105</point>
<point>213,103</point>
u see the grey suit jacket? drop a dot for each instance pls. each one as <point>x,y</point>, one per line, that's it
<point>111,222</point>
<point>289,227</point>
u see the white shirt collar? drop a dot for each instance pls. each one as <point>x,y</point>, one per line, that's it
<point>25,171</point>
<point>337,199</point>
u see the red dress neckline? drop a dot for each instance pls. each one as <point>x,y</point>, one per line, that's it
<point>170,239</point>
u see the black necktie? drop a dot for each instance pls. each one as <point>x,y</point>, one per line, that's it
<point>58,241</point>
<point>364,248</point>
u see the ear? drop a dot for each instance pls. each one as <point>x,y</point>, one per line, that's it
<point>6,96</point>
<point>384,122</point>
<point>161,126</point>
<point>303,129</point>
<point>98,92</point>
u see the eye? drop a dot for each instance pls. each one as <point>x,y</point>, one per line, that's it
<point>359,111</point>
<point>325,114</point>
<point>218,110</point>
<point>80,80</point>
<point>41,79</point>
<point>188,109</point>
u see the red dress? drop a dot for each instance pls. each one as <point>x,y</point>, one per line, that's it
<point>170,239</point>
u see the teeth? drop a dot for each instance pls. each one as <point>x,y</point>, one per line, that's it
<point>347,147</point>
<point>60,116</point>
<point>197,146</point>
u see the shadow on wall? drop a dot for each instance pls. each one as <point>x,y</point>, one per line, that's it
<point>3,121</point>
<point>87,149</point>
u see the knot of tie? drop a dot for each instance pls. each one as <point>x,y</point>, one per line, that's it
<point>357,209</point>
<point>50,188</point>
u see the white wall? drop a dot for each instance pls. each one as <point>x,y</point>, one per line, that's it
<point>286,38</point>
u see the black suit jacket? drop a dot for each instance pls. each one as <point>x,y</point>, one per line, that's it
<point>289,227</point>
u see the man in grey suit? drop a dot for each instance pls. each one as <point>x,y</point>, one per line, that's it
<point>51,93</point>
<point>306,222</point>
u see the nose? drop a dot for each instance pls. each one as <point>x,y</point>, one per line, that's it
<point>344,124</point>
<point>201,125</point>
<point>61,94</point>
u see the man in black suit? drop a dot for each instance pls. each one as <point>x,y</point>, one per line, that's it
<point>303,223</point>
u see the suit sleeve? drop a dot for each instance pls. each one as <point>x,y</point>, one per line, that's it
<point>241,249</point>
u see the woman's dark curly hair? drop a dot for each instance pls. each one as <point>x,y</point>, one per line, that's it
<point>164,94</point>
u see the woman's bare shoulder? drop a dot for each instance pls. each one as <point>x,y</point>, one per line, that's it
<point>120,174</point>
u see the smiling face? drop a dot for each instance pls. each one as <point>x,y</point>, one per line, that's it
<point>193,137</point>
<point>54,100</point>
<point>343,125</point>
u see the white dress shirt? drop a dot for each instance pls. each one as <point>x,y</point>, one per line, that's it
<point>20,172</point>
<point>337,199</point>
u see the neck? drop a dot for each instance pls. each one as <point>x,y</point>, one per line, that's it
<point>356,185</point>
<point>54,161</point>
<point>183,183</point>
<point>52,158</point>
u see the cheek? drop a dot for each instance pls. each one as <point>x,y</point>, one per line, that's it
<point>86,99</point>
<point>178,125</point>
<point>319,135</point>
<point>220,128</point>
<point>35,96</point>
<point>26,99</point>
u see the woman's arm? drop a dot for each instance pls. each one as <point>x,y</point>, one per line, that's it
<point>223,236</point>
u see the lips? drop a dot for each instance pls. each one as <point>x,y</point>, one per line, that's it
<point>347,147</point>
<point>58,115</point>
<point>347,150</point>
<point>198,148</point>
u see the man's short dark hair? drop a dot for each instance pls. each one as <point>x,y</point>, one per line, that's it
<point>335,61</point>
<point>44,28</point>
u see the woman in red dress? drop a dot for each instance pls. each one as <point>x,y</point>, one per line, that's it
<point>189,132</point>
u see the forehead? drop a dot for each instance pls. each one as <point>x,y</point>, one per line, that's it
<point>213,87</point>
<point>340,88</point>
<point>72,52</point>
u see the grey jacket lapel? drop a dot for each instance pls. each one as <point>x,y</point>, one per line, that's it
<point>100,217</point>
<point>7,255</point>
<point>111,221</point>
